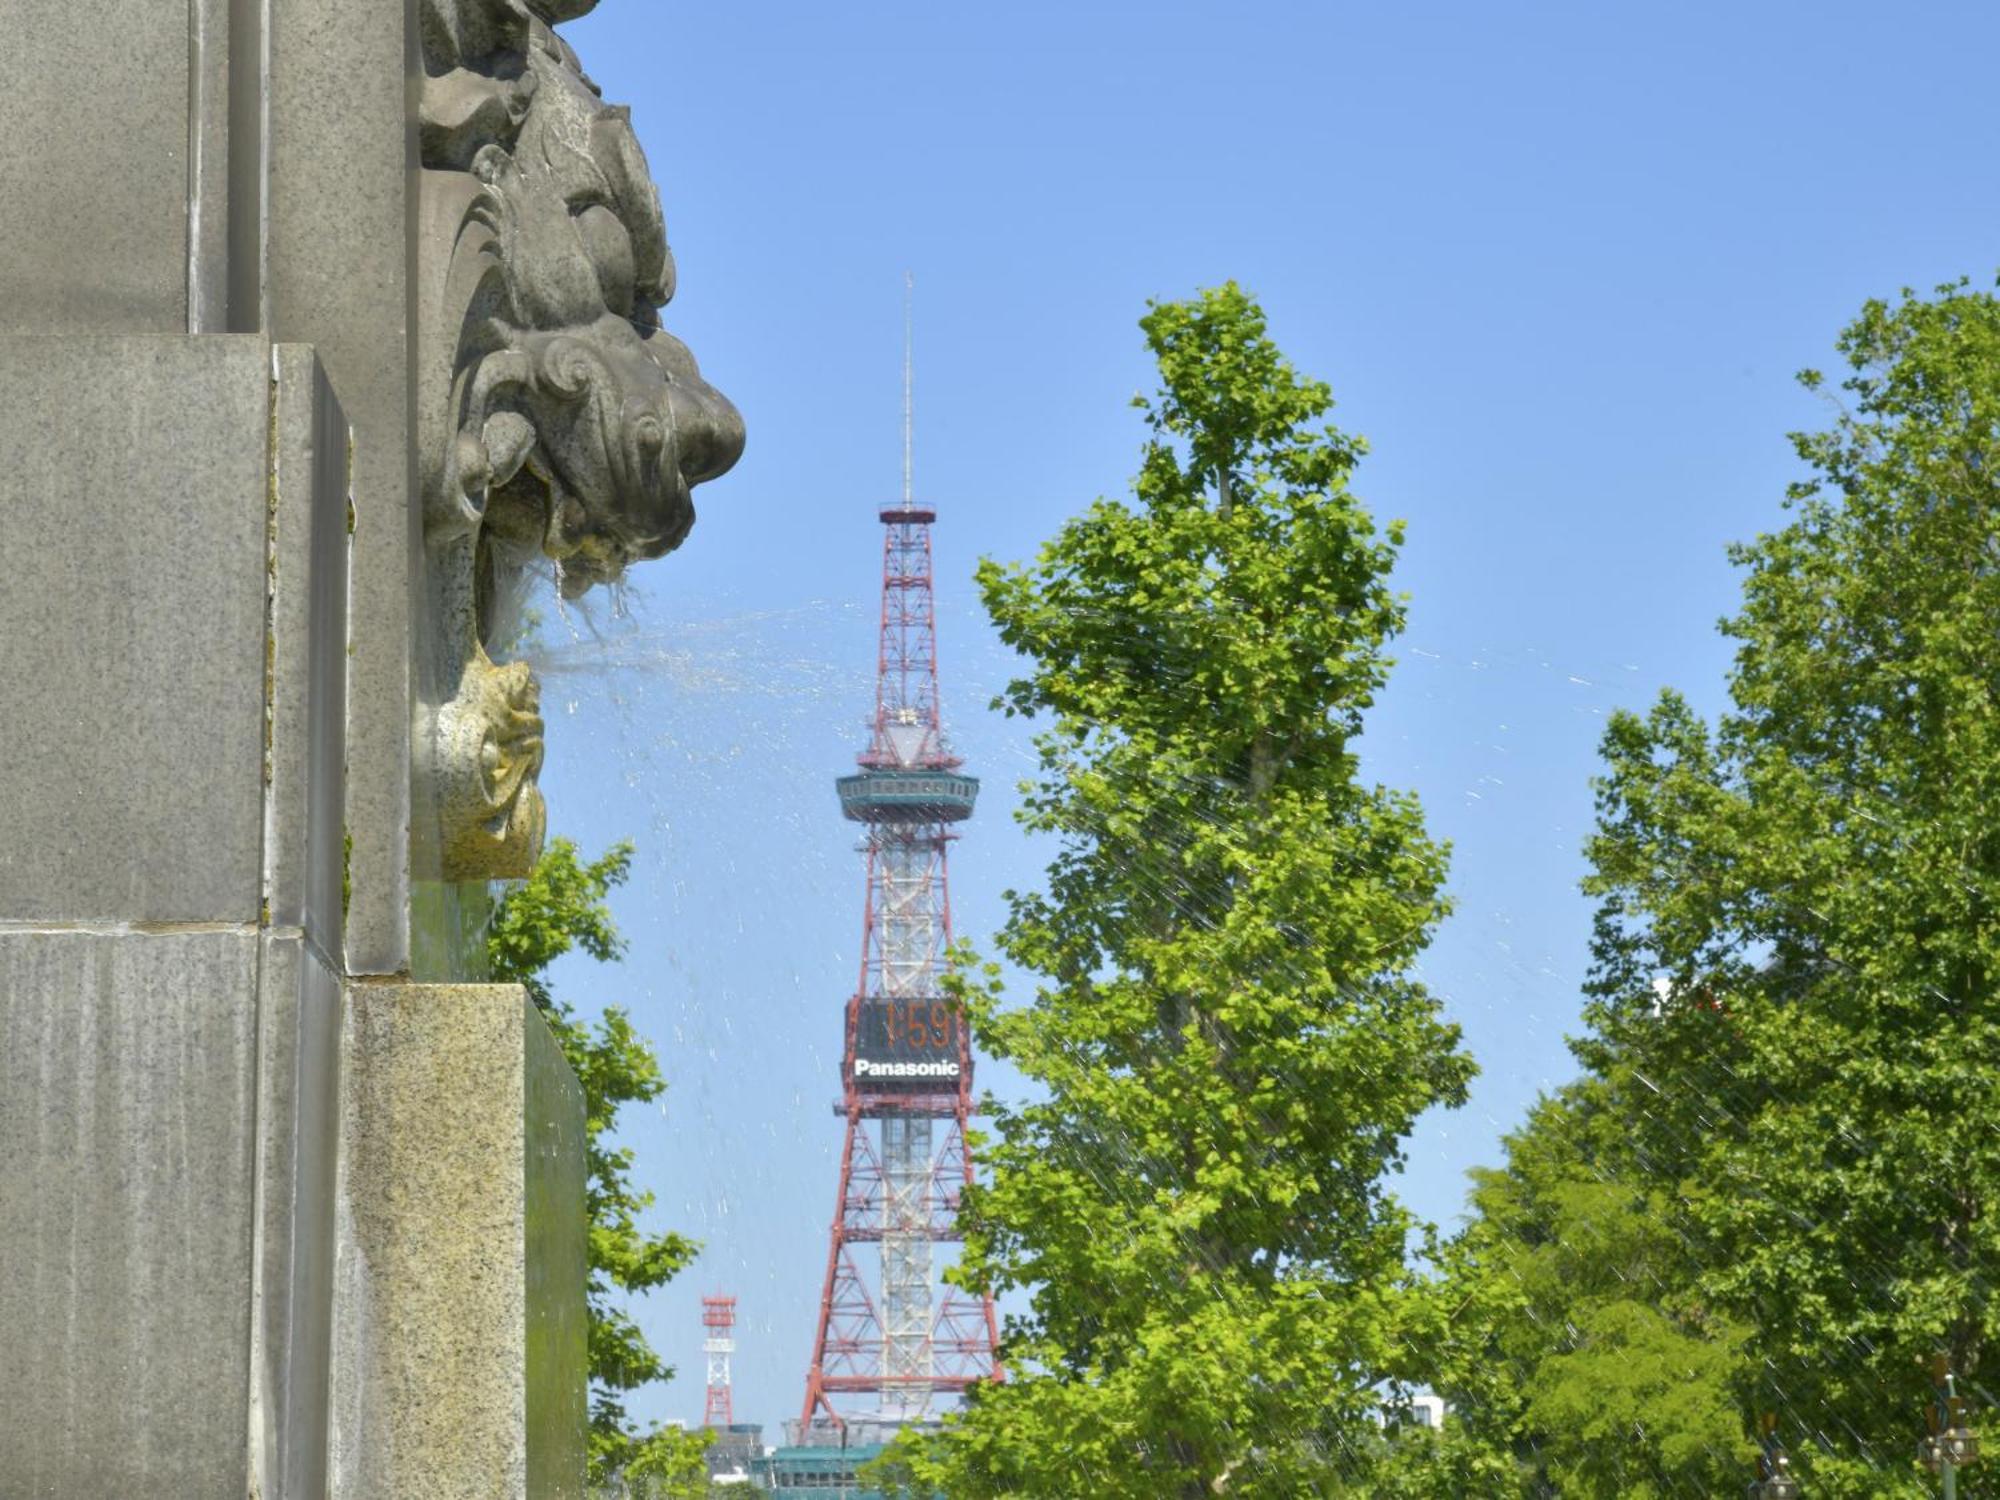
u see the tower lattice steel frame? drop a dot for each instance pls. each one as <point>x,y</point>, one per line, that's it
<point>906,1065</point>
<point>718,1316</point>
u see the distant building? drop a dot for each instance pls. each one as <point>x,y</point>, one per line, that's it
<point>1426,1410</point>
<point>1417,1409</point>
<point>816,1472</point>
<point>735,1453</point>
<point>821,1461</point>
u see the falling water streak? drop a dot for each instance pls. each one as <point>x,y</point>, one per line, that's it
<point>732,677</point>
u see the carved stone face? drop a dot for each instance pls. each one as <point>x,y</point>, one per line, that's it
<point>556,416</point>
<point>582,425</point>
<point>618,441</point>
<point>623,426</point>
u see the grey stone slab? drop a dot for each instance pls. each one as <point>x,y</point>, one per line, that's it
<point>95,103</point>
<point>342,157</point>
<point>244,220</point>
<point>308,578</point>
<point>208,175</point>
<point>458,1350</point>
<point>558,1333</point>
<point>133,480</point>
<point>128,1086</point>
<point>297,1079</point>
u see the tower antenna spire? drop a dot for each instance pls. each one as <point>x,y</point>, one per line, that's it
<point>909,292</point>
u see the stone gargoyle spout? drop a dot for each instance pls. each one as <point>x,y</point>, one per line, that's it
<point>557,419</point>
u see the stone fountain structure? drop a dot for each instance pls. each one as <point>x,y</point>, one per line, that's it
<point>321,322</point>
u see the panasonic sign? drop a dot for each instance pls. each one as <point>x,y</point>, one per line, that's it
<point>865,1068</point>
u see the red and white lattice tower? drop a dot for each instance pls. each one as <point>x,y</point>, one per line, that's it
<point>718,1316</point>
<point>889,1348</point>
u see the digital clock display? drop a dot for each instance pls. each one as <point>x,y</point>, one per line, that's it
<point>908,1045</point>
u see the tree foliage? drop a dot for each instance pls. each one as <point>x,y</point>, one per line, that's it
<point>562,906</point>
<point>1794,1012</point>
<point>1574,1347</point>
<point>1225,1026</point>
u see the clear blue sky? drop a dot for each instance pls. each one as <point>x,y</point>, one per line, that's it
<point>1559,262</point>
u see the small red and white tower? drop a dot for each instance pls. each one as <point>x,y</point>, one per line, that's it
<point>718,1317</point>
<point>891,1346</point>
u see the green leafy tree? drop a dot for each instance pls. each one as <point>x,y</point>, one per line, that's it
<point>1816,877</point>
<point>1225,1026</point>
<point>562,906</point>
<point>1575,1348</point>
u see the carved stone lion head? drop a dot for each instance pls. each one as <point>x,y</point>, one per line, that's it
<point>557,418</point>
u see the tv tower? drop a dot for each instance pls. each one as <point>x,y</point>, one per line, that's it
<point>906,1066</point>
<point>718,1316</point>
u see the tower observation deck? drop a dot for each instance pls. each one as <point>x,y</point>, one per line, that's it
<point>886,1354</point>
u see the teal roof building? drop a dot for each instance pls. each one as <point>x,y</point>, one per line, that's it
<point>816,1472</point>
